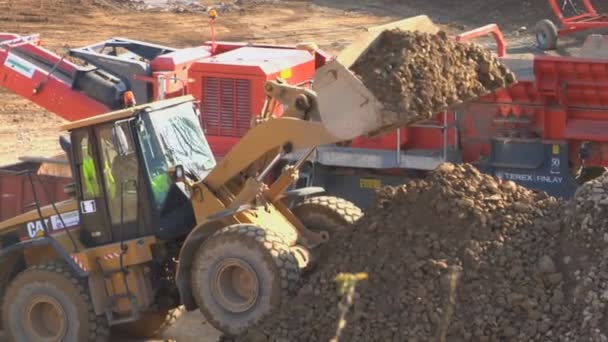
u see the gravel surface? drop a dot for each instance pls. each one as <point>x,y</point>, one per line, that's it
<point>585,259</point>
<point>458,256</point>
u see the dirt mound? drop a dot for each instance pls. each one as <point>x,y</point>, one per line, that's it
<point>416,75</point>
<point>456,255</point>
<point>48,11</point>
<point>585,258</point>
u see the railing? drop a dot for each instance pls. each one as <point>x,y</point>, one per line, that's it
<point>491,29</point>
<point>34,38</point>
<point>445,127</point>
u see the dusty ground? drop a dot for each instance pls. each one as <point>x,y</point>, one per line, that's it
<point>189,328</point>
<point>26,129</point>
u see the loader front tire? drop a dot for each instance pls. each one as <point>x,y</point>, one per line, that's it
<point>150,324</point>
<point>326,213</point>
<point>240,275</point>
<point>46,302</point>
<point>546,35</point>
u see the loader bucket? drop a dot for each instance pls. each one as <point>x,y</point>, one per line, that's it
<point>347,108</point>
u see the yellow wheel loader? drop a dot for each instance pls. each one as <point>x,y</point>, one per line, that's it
<point>156,224</point>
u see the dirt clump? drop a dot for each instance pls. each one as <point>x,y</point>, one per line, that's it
<point>416,75</point>
<point>458,255</point>
<point>584,259</point>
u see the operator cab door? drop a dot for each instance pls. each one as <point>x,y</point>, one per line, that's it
<point>94,217</point>
<point>121,180</point>
<point>110,212</point>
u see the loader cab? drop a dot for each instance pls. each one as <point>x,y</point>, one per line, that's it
<point>121,165</point>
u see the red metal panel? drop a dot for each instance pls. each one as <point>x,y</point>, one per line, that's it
<point>242,106</point>
<point>226,112</point>
<point>231,88</point>
<point>572,81</point>
<point>226,106</point>
<point>321,57</point>
<point>17,195</point>
<point>580,129</point>
<point>11,191</point>
<point>211,105</point>
<point>56,95</point>
<point>179,59</point>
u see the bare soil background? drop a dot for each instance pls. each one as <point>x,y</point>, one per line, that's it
<point>26,129</point>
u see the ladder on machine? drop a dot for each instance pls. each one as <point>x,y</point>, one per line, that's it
<point>109,276</point>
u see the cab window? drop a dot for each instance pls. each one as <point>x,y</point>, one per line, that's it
<point>88,170</point>
<point>119,175</point>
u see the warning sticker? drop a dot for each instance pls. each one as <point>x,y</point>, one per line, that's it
<point>36,228</point>
<point>20,65</point>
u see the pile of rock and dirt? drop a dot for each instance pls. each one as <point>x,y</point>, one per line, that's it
<point>416,75</point>
<point>457,256</point>
<point>584,250</point>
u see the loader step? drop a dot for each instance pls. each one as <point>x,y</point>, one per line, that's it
<point>110,273</point>
<point>114,318</point>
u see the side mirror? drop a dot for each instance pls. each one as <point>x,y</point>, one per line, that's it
<point>122,143</point>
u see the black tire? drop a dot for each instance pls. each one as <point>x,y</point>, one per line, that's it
<point>253,256</point>
<point>150,324</point>
<point>50,288</point>
<point>326,213</point>
<point>546,35</point>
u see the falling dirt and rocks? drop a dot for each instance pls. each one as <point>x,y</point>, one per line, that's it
<point>415,75</point>
<point>457,256</point>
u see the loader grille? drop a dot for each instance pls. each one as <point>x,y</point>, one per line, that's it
<point>226,106</point>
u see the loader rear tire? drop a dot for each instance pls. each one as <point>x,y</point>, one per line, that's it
<point>240,275</point>
<point>46,302</point>
<point>150,324</point>
<point>326,213</point>
<point>546,35</point>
